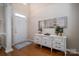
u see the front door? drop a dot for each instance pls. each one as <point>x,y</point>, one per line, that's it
<point>19,29</point>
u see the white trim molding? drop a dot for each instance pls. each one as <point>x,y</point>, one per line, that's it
<point>8,18</point>
<point>73,51</point>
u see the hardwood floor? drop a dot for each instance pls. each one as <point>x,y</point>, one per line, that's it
<point>32,50</point>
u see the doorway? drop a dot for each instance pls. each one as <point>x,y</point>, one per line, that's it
<point>19,28</point>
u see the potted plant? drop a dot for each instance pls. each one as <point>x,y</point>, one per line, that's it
<point>59,30</point>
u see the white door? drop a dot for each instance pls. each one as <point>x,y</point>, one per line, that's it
<point>19,29</point>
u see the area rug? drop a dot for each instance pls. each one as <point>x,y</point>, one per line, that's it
<point>23,44</point>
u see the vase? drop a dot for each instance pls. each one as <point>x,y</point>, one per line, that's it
<point>60,34</point>
<point>57,33</point>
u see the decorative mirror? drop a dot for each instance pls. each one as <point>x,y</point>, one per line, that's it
<point>52,23</point>
<point>40,26</point>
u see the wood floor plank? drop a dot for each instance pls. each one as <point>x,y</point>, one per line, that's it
<point>32,50</point>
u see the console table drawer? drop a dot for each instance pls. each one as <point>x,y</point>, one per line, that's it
<point>58,43</point>
<point>61,48</point>
<point>37,39</point>
<point>46,43</point>
<point>59,39</point>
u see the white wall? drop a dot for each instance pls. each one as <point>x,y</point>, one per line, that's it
<point>20,8</point>
<point>45,11</point>
<point>2,24</point>
<point>1,18</point>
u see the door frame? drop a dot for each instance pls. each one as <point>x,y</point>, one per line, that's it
<point>13,27</point>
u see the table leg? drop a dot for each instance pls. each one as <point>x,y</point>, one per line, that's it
<point>40,46</point>
<point>51,49</point>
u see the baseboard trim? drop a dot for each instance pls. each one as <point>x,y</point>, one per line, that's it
<point>68,50</point>
<point>73,51</point>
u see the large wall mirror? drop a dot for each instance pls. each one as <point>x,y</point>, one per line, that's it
<point>52,23</point>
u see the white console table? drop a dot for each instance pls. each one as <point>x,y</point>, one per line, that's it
<point>51,41</point>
